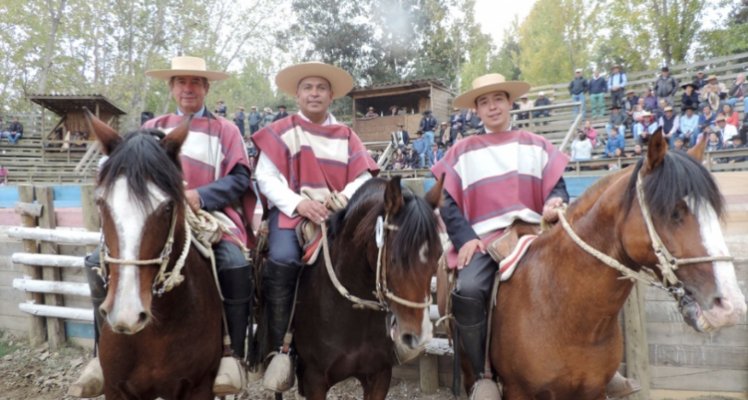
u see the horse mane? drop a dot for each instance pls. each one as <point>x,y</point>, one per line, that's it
<point>415,220</point>
<point>679,176</point>
<point>141,159</point>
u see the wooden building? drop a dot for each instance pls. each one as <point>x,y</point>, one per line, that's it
<point>410,99</point>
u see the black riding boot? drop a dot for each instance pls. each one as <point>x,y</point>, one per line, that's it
<point>470,320</point>
<point>237,286</point>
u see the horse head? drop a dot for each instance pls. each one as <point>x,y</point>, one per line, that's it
<point>411,253</point>
<point>672,227</point>
<point>140,196</point>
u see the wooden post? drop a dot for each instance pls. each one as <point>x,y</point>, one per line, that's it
<point>88,204</point>
<point>55,326</point>
<point>428,370</point>
<point>37,331</point>
<point>635,339</point>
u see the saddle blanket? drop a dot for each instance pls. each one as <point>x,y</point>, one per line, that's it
<point>509,263</point>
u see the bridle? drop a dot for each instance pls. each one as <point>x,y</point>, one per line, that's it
<point>666,262</point>
<point>164,280</point>
<point>382,292</point>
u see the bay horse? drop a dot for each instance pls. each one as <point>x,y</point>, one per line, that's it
<point>161,337</point>
<point>336,341</point>
<point>555,329</point>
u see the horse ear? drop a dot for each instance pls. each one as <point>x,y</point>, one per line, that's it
<point>697,152</point>
<point>434,195</point>
<point>172,142</point>
<point>108,137</point>
<point>656,151</point>
<point>393,197</point>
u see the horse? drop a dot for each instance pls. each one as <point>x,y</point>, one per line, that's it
<point>338,335</point>
<point>162,330</point>
<point>555,331</point>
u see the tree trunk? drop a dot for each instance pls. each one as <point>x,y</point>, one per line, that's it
<point>56,17</point>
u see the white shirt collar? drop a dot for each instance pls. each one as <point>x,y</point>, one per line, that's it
<point>330,120</point>
<point>200,113</point>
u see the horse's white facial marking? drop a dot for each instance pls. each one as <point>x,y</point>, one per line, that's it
<point>424,249</point>
<point>129,220</point>
<point>732,303</point>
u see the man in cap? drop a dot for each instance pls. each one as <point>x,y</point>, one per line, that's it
<point>665,86</point>
<point>617,84</point>
<point>577,88</point>
<point>542,101</point>
<point>307,163</point>
<point>281,113</point>
<point>217,175</point>
<point>255,119</point>
<point>699,81</point>
<point>670,124</point>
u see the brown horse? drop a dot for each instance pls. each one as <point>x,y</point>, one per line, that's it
<point>555,330</point>
<point>334,340</point>
<point>162,337</point>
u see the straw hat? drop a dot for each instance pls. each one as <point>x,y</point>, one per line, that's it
<point>288,78</point>
<point>491,83</point>
<point>187,66</point>
<point>711,77</point>
<point>720,118</point>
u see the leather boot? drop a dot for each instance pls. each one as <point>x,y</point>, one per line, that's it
<point>470,320</point>
<point>620,386</point>
<point>279,283</point>
<point>237,288</point>
<point>91,381</point>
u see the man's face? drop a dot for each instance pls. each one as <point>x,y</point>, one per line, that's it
<point>669,113</point>
<point>493,109</point>
<point>189,92</point>
<point>314,96</point>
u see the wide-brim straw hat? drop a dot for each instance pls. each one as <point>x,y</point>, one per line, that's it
<point>187,66</point>
<point>711,77</point>
<point>490,83</point>
<point>341,82</point>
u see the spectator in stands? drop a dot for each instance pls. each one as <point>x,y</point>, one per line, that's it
<point>629,106</point>
<point>427,127</point>
<point>616,121</point>
<point>670,124</point>
<point>421,147</point>
<point>456,123</point>
<point>3,175</point>
<point>637,151</point>
<point>255,119</point>
<point>400,136</point>
<point>581,148</point>
<point>707,117</point>
<point>689,96</point>
<point>239,119</point>
<point>412,158</point>
<point>725,131</point>
<point>398,160</point>
<point>542,101</point>
<point>650,100</point>
<point>268,118</point>
<point>617,84</point>
<point>616,143</point>
<point>392,111</point>
<point>739,92</point>
<point>644,128</point>
<point>714,143</point>
<point>577,88</point>
<point>281,113</point>
<point>731,116</point>
<point>370,113</point>
<point>221,109</point>
<point>711,92</point>
<point>443,135</point>
<point>678,143</point>
<point>665,86</point>
<point>659,111</point>
<point>689,125</point>
<point>597,85</point>
<point>437,152</point>
<point>698,82</point>
<point>15,131</point>
<point>590,132</point>
<point>737,143</point>
<point>638,110</point>
<point>524,105</point>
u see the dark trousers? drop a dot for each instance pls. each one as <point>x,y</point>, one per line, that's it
<point>284,245</point>
<point>475,281</point>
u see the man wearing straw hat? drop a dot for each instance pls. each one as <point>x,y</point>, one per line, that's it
<point>478,208</point>
<point>216,170</point>
<point>307,163</point>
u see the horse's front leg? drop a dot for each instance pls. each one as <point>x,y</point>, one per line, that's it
<point>312,385</point>
<point>376,385</point>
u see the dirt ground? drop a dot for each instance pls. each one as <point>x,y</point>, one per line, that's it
<point>41,374</point>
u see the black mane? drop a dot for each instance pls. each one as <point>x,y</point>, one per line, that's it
<point>141,159</point>
<point>678,177</point>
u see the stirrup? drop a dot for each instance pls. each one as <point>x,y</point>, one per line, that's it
<point>620,386</point>
<point>90,383</point>
<point>231,377</point>
<point>279,375</point>
<point>485,389</point>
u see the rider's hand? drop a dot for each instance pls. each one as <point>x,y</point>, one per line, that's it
<point>193,199</point>
<point>312,210</point>
<point>550,209</point>
<point>467,251</point>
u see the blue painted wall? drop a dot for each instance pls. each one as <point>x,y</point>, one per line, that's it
<point>65,196</point>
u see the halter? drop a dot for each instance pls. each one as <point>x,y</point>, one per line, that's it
<point>667,263</point>
<point>382,293</point>
<point>164,280</point>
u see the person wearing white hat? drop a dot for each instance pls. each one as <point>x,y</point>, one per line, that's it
<point>308,162</point>
<point>216,170</point>
<point>577,88</point>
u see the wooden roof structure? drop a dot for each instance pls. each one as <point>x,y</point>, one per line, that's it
<point>62,104</point>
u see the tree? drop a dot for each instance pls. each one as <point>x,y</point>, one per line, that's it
<point>674,27</point>
<point>730,36</point>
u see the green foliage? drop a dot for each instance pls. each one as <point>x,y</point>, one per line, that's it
<point>730,37</point>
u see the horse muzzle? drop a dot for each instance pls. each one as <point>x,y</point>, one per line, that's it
<point>126,320</point>
<point>724,312</point>
<point>409,345</point>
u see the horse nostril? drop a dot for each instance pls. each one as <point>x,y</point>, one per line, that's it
<point>409,340</point>
<point>142,317</point>
<point>103,312</point>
